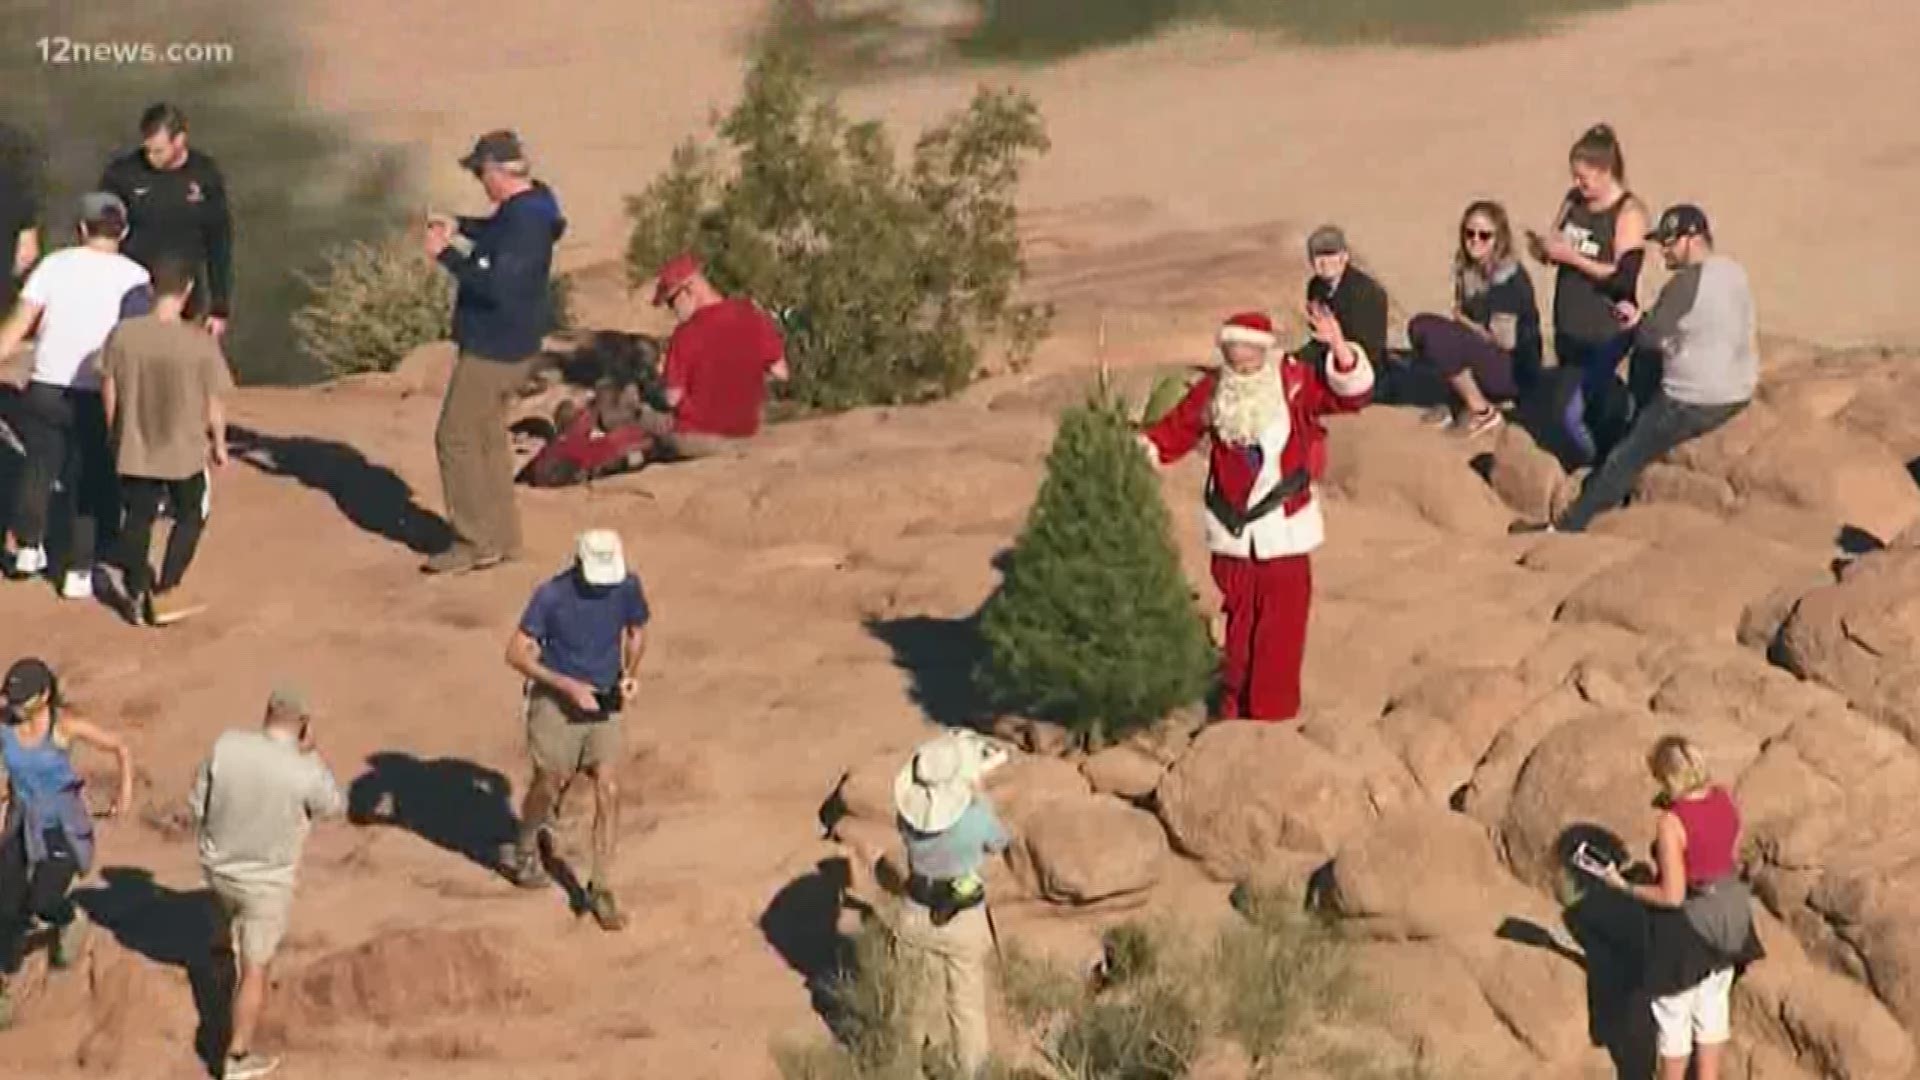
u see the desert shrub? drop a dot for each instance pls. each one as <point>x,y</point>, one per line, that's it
<point>1130,952</point>
<point>1035,990</point>
<point>1154,1034</point>
<point>1278,971</point>
<point>887,280</point>
<point>1093,624</point>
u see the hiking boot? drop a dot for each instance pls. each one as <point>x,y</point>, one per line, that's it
<point>1440,416</point>
<point>248,1066</point>
<point>1480,423</point>
<point>522,866</point>
<point>77,586</point>
<point>605,909</point>
<point>69,940</point>
<point>167,609</point>
<point>29,561</point>
<point>462,558</point>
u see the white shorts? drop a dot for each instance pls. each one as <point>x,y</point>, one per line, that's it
<point>1696,1016</point>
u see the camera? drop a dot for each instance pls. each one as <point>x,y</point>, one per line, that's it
<point>610,700</point>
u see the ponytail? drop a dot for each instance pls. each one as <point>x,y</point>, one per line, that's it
<point>1599,147</point>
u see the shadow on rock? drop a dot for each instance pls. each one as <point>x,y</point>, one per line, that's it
<point>941,655</point>
<point>451,803</point>
<point>802,924</point>
<point>372,496</point>
<point>175,929</point>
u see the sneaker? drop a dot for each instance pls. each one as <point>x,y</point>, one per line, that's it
<point>248,1066</point>
<point>29,561</point>
<point>1481,423</point>
<point>69,940</point>
<point>461,559</point>
<point>605,909</point>
<point>1440,416</point>
<point>1528,528</point>
<point>78,585</point>
<point>523,868</point>
<point>169,609</point>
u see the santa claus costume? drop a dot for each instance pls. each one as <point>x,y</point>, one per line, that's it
<point>1267,446</point>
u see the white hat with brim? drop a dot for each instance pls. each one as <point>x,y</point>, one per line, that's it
<point>603,562</point>
<point>935,788</point>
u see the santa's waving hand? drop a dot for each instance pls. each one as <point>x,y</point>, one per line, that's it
<point>1261,411</point>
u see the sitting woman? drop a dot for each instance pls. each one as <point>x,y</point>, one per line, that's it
<point>1702,912</point>
<point>1491,342</point>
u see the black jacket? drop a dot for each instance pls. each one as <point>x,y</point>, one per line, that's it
<point>1361,306</point>
<point>504,308</point>
<point>178,213</point>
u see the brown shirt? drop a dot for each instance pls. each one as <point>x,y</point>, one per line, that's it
<point>164,373</point>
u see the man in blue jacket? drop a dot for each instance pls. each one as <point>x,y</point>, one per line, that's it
<point>502,311</point>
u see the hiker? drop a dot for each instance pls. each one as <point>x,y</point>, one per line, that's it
<point>602,437</point>
<point>1596,247</point>
<point>75,296</point>
<point>46,843</point>
<point>162,381</point>
<point>1703,331</point>
<point>1701,926</point>
<point>716,366</point>
<point>950,830</point>
<point>1261,411</point>
<point>579,646</point>
<point>253,801</point>
<point>1492,336</point>
<point>501,313</point>
<point>1357,300</point>
<point>176,200</point>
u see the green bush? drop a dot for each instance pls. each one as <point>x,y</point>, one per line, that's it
<point>1279,971</point>
<point>887,280</point>
<point>1094,624</point>
<point>372,303</point>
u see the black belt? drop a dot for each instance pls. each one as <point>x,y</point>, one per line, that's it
<point>1236,521</point>
<point>937,895</point>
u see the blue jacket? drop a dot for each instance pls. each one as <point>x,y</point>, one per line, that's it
<point>503,308</point>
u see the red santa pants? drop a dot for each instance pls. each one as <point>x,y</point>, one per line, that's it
<point>1266,642</point>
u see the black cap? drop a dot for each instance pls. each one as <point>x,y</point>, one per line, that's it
<point>1684,219</point>
<point>494,148</point>
<point>26,679</point>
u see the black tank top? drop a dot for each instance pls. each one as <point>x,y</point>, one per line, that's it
<point>1583,307</point>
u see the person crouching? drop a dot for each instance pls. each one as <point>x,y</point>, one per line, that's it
<point>1261,412</point>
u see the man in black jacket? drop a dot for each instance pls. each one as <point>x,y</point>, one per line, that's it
<point>501,313</point>
<point>1357,301</point>
<point>177,210</point>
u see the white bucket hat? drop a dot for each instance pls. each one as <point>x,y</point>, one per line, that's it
<point>935,788</point>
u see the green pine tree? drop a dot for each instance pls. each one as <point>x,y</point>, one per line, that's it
<point>1094,625</point>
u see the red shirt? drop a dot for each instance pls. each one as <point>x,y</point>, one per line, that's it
<point>1712,824</point>
<point>718,359</point>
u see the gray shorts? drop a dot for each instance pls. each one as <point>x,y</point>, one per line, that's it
<point>562,741</point>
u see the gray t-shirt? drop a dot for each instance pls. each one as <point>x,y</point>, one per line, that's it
<point>253,799</point>
<point>1703,325</point>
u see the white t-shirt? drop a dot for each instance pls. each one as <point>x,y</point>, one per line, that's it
<point>81,292</point>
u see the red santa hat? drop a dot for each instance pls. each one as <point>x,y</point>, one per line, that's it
<point>1248,328</point>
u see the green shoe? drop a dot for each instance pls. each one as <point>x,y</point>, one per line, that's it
<point>70,939</point>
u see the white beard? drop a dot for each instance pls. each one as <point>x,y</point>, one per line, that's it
<point>1245,406</point>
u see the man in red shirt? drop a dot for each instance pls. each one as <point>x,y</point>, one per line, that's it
<point>716,366</point>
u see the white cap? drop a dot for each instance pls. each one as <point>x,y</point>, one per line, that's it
<point>603,561</point>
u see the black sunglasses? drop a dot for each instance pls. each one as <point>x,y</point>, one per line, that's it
<point>1478,234</point>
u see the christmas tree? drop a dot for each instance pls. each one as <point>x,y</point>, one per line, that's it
<point>1093,624</point>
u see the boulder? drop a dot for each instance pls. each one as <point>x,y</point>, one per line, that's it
<point>1401,470</point>
<point>1430,752</point>
<point>1538,993</point>
<point>1094,848</point>
<point>1818,466</point>
<point>1525,477</point>
<point>866,791</point>
<point>1590,777</point>
<point>1247,792</point>
<point>1829,1024</point>
<point>1741,687</point>
<point>1425,993</point>
<point>1423,874</point>
<point>1024,787</point>
<point>1476,704</point>
<point>1861,631</point>
<point>1123,771</point>
<point>1664,483</point>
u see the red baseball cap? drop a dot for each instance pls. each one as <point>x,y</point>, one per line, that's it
<point>674,274</point>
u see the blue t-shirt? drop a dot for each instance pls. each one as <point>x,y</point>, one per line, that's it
<point>578,626</point>
<point>960,850</point>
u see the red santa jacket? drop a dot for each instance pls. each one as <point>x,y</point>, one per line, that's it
<point>1244,475</point>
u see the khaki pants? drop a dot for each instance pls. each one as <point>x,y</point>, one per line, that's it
<point>953,1004</point>
<point>476,457</point>
<point>680,445</point>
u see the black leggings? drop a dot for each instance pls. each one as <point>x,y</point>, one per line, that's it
<point>187,500</point>
<point>1452,348</point>
<point>65,434</point>
<point>28,891</point>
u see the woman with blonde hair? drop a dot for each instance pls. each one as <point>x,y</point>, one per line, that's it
<point>1488,349</point>
<point>1702,912</point>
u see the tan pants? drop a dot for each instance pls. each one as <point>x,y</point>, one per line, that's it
<point>681,445</point>
<point>953,1004</point>
<point>476,457</point>
<point>255,914</point>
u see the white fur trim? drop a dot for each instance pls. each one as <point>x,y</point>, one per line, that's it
<point>1152,451</point>
<point>1242,335</point>
<point>1279,534</point>
<point>1355,382</point>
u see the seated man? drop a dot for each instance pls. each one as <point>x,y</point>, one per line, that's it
<point>1703,329</point>
<point>1358,301</point>
<point>716,367</point>
<point>599,438</point>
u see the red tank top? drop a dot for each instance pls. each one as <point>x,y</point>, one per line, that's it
<point>1713,831</point>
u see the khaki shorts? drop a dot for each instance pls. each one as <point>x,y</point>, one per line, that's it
<point>562,745</point>
<point>682,445</point>
<point>255,915</point>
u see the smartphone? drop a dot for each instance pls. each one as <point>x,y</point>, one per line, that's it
<point>611,700</point>
<point>1585,859</point>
